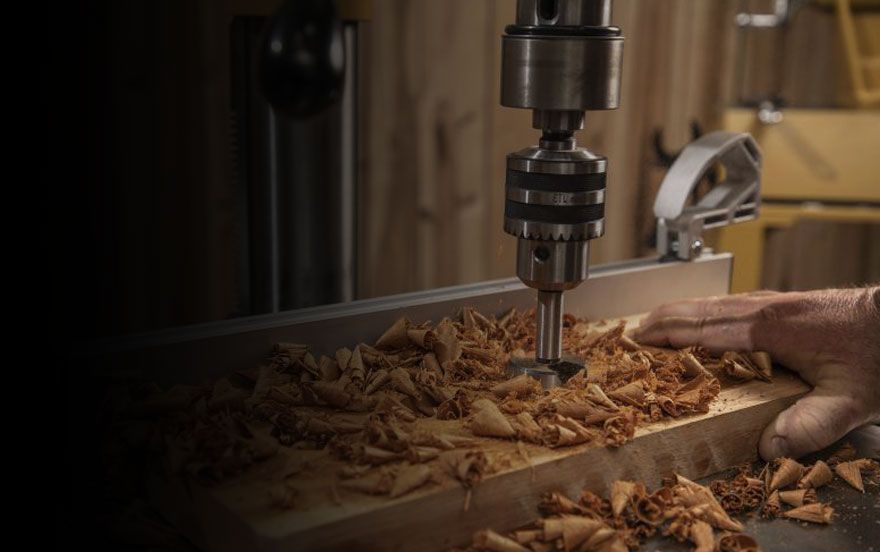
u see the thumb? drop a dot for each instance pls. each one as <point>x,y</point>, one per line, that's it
<point>812,423</point>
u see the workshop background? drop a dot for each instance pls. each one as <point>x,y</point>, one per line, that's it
<point>173,217</point>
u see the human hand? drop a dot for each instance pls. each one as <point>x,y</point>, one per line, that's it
<point>830,337</point>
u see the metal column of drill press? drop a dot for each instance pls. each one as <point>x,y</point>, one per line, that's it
<point>560,59</point>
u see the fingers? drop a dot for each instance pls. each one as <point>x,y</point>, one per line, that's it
<point>727,305</point>
<point>717,323</point>
<point>715,334</point>
<point>814,422</point>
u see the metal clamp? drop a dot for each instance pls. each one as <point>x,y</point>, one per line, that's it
<point>783,13</point>
<point>735,199</point>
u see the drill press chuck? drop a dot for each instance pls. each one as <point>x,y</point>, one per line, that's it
<point>560,59</point>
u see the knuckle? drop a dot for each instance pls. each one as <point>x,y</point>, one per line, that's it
<point>700,327</point>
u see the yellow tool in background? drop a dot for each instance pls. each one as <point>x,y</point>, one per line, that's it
<point>864,67</point>
<point>819,164</point>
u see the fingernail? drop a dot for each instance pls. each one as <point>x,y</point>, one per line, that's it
<point>779,447</point>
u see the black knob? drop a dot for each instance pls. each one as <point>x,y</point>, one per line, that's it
<point>302,65</point>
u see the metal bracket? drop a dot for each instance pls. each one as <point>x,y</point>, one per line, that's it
<point>735,199</point>
<point>783,12</point>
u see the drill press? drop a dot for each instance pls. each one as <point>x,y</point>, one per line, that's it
<point>560,59</point>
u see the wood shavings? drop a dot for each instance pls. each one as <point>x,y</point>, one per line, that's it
<point>819,474</point>
<point>650,509</point>
<point>736,368</point>
<point>620,429</point>
<point>527,428</point>
<point>488,421</point>
<point>416,399</point>
<point>772,506</point>
<point>577,410</point>
<point>632,514</point>
<point>490,540</point>
<point>737,542</point>
<point>225,396</point>
<point>632,394</point>
<point>573,531</point>
<point>377,380</point>
<point>557,503</point>
<point>682,509</point>
<point>343,357</point>
<point>394,337</point>
<point>467,466</point>
<point>401,381</point>
<point>595,393</point>
<point>798,497</point>
<point>763,363</point>
<point>788,473</point>
<point>520,386</point>
<point>375,455</point>
<point>813,513</point>
<point>702,536</point>
<point>328,368</point>
<point>356,371</point>
<point>422,337</point>
<point>561,431</point>
<point>694,495</point>
<point>331,394</point>
<point>410,478</point>
<point>447,347</point>
<point>621,494</point>
<point>283,496</point>
<point>267,378</point>
<point>851,473</point>
<point>376,483</point>
<point>628,344</point>
<point>692,366</point>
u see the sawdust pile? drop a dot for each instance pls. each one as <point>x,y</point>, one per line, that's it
<point>681,509</point>
<point>367,405</point>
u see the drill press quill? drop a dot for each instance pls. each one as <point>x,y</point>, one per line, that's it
<point>560,59</point>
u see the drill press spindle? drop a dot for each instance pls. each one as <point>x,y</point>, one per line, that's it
<point>560,59</point>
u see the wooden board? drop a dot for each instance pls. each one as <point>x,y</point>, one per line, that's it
<point>236,514</point>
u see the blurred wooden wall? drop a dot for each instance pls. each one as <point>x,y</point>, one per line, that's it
<point>158,205</point>
<point>432,175</point>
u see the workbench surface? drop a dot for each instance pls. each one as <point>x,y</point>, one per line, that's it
<point>856,524</point>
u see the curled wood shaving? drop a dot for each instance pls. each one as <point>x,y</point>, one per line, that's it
<point>737,542</point>
<point>570,532</point>
<point>488,421</point>
<point>798,497</point>
<point>490,540</point>
<point>394,337</point>
<point>620,429</point>
<point>788,473</point>
<point>819,474</point>
<point>410,478</point>
<point>702,536</point>
<point>813,513</point>
<point>621,494</point>
<point>376,482</point>
<point>851,473</point>
<point>467,466</point>
<point>520,386</point>
<point>772,506</point>
<point>283,496</point>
